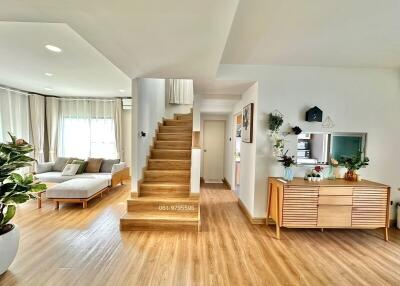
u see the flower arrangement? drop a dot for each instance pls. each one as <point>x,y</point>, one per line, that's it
<point>353,164</point>
<point>316,174</point>
<point>287,161</point>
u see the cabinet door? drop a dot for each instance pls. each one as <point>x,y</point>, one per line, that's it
<point>300,207</point>
<point>334,216</point>
<point>369,207</point>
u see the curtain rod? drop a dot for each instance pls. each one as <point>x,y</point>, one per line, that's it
<point>27,93</point>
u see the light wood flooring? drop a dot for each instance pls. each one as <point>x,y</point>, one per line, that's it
<point>75,246</point>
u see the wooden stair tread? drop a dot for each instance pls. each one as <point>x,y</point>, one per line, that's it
<point>165,184</point>
<point>169,160</point>
<point>159,217</point>
<point>166,199</point>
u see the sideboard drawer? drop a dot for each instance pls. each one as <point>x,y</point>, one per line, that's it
<point>335,191</point>
<point>334,216</point>
<point>336,200</point>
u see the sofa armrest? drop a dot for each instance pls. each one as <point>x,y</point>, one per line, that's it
<point>119,176</point>
<point>44,167</point>
<point>118,167</point>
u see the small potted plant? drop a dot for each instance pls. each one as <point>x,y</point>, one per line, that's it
<point>14,189</point>
<point>287,162</point>
<point>353,164</point>
<point>275,121</point>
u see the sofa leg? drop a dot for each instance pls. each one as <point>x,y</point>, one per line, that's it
<point>56,205</point>
<point>84,205</point>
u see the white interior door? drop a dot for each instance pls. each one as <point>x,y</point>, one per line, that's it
<point>213,150</point>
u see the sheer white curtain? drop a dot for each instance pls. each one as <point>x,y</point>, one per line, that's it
<point>52,115</point>
<point>87,128</point>
<point>180,91</point>
<point>37,113</point>
<point>14,115</point>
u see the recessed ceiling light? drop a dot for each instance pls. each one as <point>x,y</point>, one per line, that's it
<point>48,88</point>
<point>48,74</point>
<point>54,49</point>
<point>122,90</point>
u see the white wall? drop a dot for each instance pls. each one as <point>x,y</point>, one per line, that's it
<point>150,111</point>
<point>247,151</point>
<point>171,109</point>
<point>357,100</point>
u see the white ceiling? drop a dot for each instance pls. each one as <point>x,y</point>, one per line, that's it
<point>144,38</point>
<point>220,87</point>
<point>352,33</point>
<point>187,39</point>
<point>79,70</point>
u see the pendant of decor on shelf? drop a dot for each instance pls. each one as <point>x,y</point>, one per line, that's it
<point>328,123</point>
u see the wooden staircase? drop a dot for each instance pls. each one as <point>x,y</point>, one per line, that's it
<point>164,201</point>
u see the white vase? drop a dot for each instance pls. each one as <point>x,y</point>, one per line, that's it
<point>9,243</point>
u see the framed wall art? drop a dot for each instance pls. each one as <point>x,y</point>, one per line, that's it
<point>247,121</point>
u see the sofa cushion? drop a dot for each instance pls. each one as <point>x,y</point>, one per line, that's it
<point>53,177</point>
<point>60,163</point>
<point>82,165</point>
<point>80,188</point>
<point>44,167</point>
<point>107,165</point>
<point>93,165</point>
<point>70,170</point>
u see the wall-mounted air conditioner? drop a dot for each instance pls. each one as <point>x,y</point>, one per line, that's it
<point>126,103</point>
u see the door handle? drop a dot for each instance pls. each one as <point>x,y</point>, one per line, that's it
<point>205,150</point>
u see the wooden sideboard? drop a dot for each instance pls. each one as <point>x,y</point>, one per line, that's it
<point>328,204</point>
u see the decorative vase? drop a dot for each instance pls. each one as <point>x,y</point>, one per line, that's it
<point>351,175</point>
<point>331,173</point>
<point>288,174</point>
<point>9,243</point>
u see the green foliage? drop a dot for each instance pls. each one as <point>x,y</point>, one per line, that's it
<point>287,161</point>
<point>354,163</point>
<point>275,122</point>
<point>14,188</point>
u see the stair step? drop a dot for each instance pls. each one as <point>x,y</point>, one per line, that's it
<point>188,206</point>
<point>168,164</point>
<point>171,154</point>
<point>188,116</point>
<point>174,137</point>
<point>175,129</point>
<point>171,190</point>
<point>173,176</point>
<point>174,145</point>
<point>165,222</point>
<point>180,122</point>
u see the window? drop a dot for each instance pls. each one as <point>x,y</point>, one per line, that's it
<point>87,137</point>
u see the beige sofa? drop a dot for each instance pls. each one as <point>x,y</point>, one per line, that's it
<point>47,172</point>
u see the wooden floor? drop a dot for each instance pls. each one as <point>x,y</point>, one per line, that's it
<point>78,247</point>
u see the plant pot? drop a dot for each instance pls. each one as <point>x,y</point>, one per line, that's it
<point>350,176</point>
<point>9,243</point>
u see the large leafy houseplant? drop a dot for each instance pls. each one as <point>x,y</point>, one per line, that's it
<point>15,188</point>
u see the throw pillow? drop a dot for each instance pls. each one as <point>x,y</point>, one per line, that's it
<point>107,165</point>
<point>70,170</point>
<point>60,163</point>
<point>93,165</point>
<point>82,165</point>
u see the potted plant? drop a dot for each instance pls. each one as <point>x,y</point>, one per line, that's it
<point>14,189</point>
<point>287,162</point>
<point>275,121</point>
<point>353,164</point>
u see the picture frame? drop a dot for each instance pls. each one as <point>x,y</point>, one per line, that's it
<point>247,123</point>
